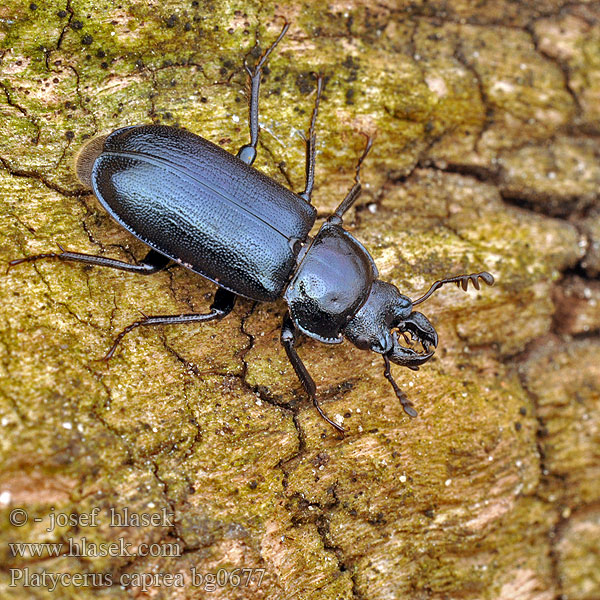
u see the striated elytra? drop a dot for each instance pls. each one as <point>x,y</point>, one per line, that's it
<point>195,204</point>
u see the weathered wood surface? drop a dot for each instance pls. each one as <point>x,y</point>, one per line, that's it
<point>487,120</point>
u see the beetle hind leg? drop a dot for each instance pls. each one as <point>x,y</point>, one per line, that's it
<point>152,263</point>
<point>222,305</point>
<point>289,335</point>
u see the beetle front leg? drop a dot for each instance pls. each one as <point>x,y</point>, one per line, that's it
<point>222,305</point>
<point>152,263</point>
<point>406,403</point>
<point>289,335</point>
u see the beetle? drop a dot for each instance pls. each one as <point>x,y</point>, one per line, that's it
<point>199,206</point>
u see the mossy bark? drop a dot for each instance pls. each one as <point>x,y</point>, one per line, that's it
<point>486,157</point>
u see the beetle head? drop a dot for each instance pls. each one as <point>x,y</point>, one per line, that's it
<point>385,321</point>
<point>387,316</point>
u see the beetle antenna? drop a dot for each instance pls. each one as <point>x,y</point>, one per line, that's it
<point>461,281</point>
<point>406,403</point>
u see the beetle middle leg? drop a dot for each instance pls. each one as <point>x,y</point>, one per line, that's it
<point>247,153</point>
<point>355,190</point>
<point>311,145</point>
<point>289,335</point>
<point>152,263</point>
<point>222,305</point>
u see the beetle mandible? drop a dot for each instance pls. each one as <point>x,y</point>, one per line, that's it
<point>195,204</point>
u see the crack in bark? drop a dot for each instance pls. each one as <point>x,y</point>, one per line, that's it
<point>544,471</point>
<point>11,102</point>
<point>107,404</point>
<point>187,300</point>
<point>561,65</point>
<point>22,224</point>
<point>7,362</point>
<point>322,520</point>
<point>446,15</point>
<point>459,55</point>
<point>66,27</point>
<point>188,367</point>
<point>80,98</point>
<point>165,490</point>
<point>323,525</point>
<point>33,120</point>
<point>258,390</point>
<point>280,164</point>
<point>32,174</point>
<point>303,512</point>
<point>140,463</point>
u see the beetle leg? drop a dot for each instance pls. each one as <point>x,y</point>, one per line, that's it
<point>153,261</point>
<point>311,145</point>
<point>406,403</point>
<point>289,335</point>
<point>355,190</point>
<point>222,305</point>
<point>247,153</point>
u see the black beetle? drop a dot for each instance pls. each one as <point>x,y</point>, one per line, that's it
<point>194,203</point>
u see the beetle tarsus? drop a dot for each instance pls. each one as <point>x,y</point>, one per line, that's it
<point>36,257</point>
<point>152,263</point>
<point>320,410</point>
<point>121,335</point>
<point>407,405</point>
<point>28,259</point>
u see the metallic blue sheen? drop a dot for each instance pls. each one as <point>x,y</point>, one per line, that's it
<point>203,208</point>
<point>331,283</point>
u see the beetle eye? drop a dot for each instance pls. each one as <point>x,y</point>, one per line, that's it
<point>86,157</point>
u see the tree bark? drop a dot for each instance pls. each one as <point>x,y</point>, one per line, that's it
<point>487,122</point>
